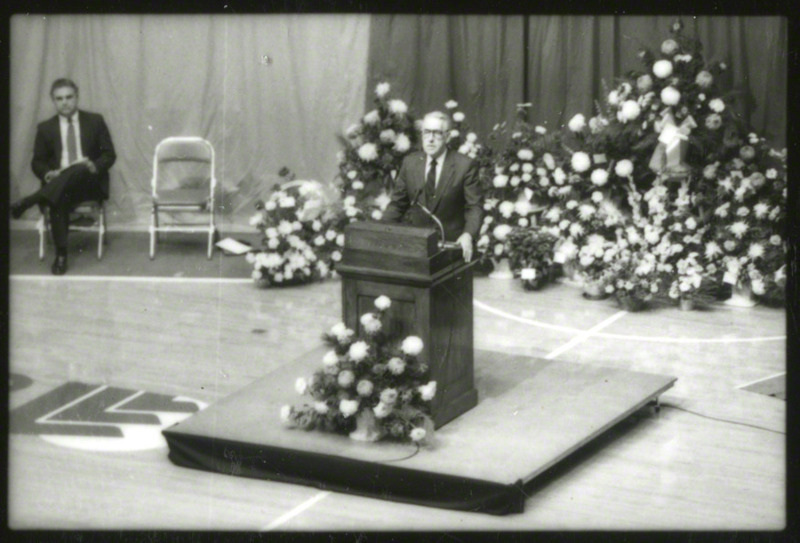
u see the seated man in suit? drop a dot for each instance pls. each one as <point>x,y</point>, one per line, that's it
<point>71,156</point>
<point>444,182</point>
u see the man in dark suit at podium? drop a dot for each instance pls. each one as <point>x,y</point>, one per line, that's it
<point>443,182</point>
<point>72,154</point>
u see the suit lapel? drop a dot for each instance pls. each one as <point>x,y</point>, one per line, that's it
<point>420,178</point>
<point>446,179</point>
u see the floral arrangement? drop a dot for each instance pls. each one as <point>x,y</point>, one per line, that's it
<point>520,173</point>
<point>631,276</point>
<point>749,218</point>
<point>302,238</point>
<point>369,386</point>
<point>373,150</point>
<point>530,255</point>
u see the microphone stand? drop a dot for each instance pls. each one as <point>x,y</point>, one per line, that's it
<point>443,245</point>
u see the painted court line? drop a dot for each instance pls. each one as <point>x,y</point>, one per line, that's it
<point>296,511</point>
<point>762,379</point>
<point>604,335</point>
<point>583,336</point>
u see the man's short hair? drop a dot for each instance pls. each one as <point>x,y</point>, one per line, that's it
<point>63,82</point>
<point>439,115</point>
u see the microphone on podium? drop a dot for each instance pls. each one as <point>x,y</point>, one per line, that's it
<point>444,245</point>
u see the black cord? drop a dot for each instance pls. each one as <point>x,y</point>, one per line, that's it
<point>412,455</point>
<point>724,420</point>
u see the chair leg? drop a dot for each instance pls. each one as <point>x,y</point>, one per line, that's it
<point>102,231</point>
<point>153,234</point>
<point>42,228</point>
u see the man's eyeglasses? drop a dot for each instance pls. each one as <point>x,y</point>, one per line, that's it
<point>438,134</point>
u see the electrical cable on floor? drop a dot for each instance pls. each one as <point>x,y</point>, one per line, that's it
<point>412,455</point>
<point>724,420</point>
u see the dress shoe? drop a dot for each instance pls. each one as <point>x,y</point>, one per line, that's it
<point>59,265</point>
<point>18,208</point>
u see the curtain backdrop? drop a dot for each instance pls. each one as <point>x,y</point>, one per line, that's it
<point>267,91</point>
<point>481,62</point>
<point>274,90</point>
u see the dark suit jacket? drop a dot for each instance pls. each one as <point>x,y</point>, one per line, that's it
<point>96,145</point>
<point>457,201</point>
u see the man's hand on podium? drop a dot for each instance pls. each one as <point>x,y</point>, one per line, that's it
<point>465,240</point>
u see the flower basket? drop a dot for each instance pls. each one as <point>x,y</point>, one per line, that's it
<point>366,427</point>
<point>531,256</point>
<point>631,303</point>
<point>742,296</point>
<point>593,290</point>
<point>502,269</point>
<point>369,387</point>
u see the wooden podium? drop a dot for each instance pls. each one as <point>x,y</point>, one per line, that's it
<point>431,293</point>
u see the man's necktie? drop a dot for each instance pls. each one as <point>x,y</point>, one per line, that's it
<point>72,146</point>
<point>430,182</point>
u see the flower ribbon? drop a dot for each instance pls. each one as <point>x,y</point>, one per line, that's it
<point>666,153</point>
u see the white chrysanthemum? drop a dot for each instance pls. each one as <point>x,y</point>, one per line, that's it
<point>760,209</point>
<point>506,209</point>
<point>348,407</point>
<point>624,168</point>
<point>716,105</point>
<point>412,345</point>
<point>451,104</point>
<point>662,69</point>
<point>387,136</point>
<point>389,396</point>
<point>472,137</point>
<point>577,123</point>
<point>428,391</point>
<point>382,410</point>
<point>301,385</point>
<point>669,46</point>
<point>270,205</point>
<point>599,177</point>
<point>371,323</point>
<point>345,378</point>
<point>670,96</point>
<point>364,387</point>
<point>358,351</point>
<point>630,110</point>
<point>738,228</point>
<point>417,434</point>
<point>580,162</point>
<point>397,106</point>
<point>382,89</point>
<point>559,176</point>
<point>775,239</point>
<point>523,207</point>
<point>402,143</point>
<point>756,251</point>
<point>458,117</point>
<point>501,231</point>
<point>383,302</point>
<point>396,365</point>
<point>373,117</point>
<point>330,359</point>
<point>525,154</point>
<point>527,167</point>
<point>321,408</point>
<point>597,196</point>
<point>368,152</point>
<point>500,181</point>
<point>613,98</point>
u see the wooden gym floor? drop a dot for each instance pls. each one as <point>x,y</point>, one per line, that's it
<point>712,458</point>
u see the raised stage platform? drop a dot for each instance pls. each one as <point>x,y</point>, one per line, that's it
<point>531,414</point>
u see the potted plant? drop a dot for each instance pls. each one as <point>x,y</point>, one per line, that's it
<point>530,255</point>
